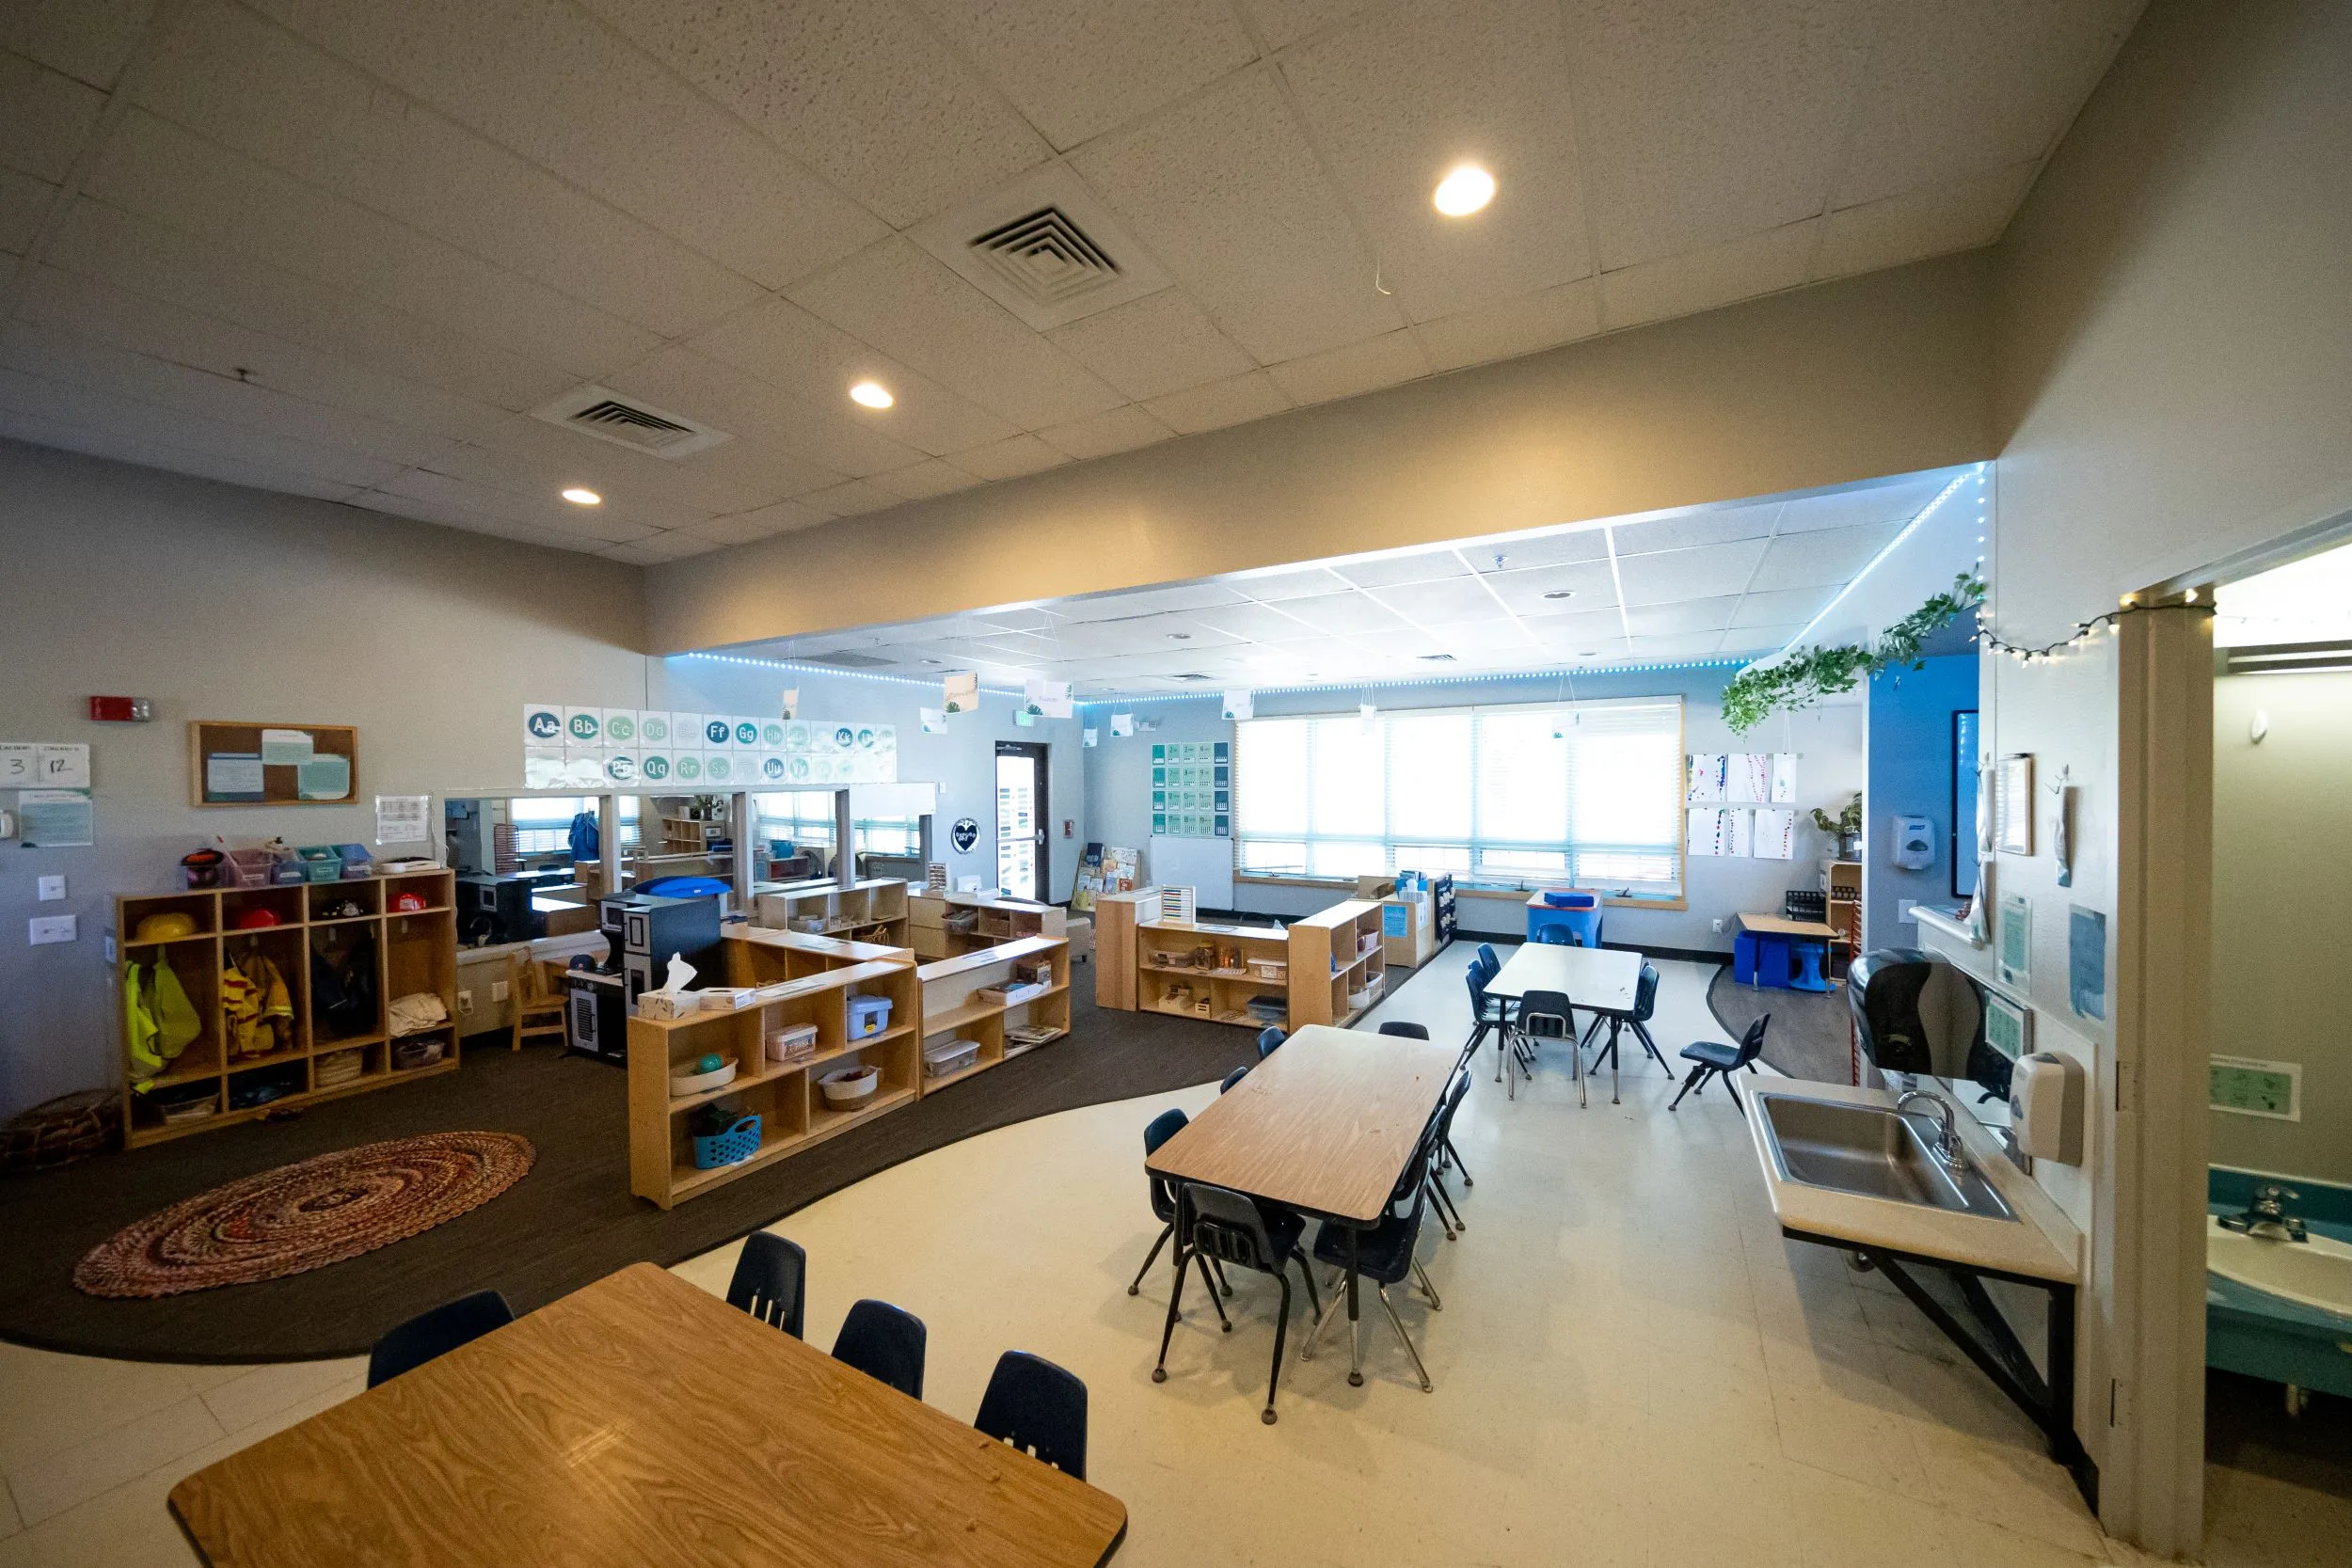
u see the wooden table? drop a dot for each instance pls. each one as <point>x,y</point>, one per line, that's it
<point>1325,1126</point>
<point>1813,938</point>
<point>1602,980</point>
<point>640,1422</point>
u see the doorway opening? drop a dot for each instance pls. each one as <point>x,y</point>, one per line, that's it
<point>1023,850</point>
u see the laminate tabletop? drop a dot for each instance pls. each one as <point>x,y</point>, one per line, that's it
<point>1326,1124</point>
<point>642,1422</point>
<point>1600,979</point>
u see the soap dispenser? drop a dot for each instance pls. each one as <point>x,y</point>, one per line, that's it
<point>2045,1107</point>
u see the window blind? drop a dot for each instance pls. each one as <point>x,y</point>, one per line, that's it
<point>1588,793</point>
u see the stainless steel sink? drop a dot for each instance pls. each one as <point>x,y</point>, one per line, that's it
<point>1871,1152</point>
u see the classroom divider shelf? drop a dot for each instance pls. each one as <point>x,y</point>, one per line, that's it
<point>953,1007</point>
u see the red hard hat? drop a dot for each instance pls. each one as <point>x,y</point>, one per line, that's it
<point>408,903</point>
<point>252,920</point>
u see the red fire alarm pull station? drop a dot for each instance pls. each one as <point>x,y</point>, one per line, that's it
<point>121,710</point>
<point>1068,828</point>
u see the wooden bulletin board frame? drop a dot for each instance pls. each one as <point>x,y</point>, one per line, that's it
<point>280,782</point>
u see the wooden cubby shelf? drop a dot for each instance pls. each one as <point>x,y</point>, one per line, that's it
<point>1318,966</point>
<point>871,912</point>
<point>950,925</point>
<point>954,1010</point>
<point>413,951</point>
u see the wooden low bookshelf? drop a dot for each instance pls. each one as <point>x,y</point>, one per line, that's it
<point>872,912</point>
<point>415,951</point>
<point>1318,967</point>
<point>949,925</point>
<point>953,1009</point>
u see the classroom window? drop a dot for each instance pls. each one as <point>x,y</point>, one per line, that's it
<point>1586,793</point>
<point>543,823</point>
<point>804,817</point>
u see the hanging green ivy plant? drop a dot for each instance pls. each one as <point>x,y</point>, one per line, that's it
<point>1805,678</point>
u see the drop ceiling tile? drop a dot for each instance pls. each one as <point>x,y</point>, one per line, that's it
<point>235,79</point>
<point>1351,368</point>
<point>1423,566</point>
<point>1824,559</point>
<point>164,263</point>
<point>601,524</point>
<point>1781,607</point>
<point>1963,90</point>
<point>1395,103</point>
<point>1258,623</point>
<point>1935,220</point>
<point>1226,189</point>
<point>1706,122</point>
<point>1009,459</point>
<point>924,479</point>
<point>750,463</point>
<point>719,395</point>
<point>135,422</point>
<point>201,464</point>
<point>1282,23</point>
<point>1669,576</point>
<point>1249,396</point>
<point>1877,503</point>
<point>899,298</point>
<point>1564,549</point>
<point>1697,644</point>
<point>1189,595</point>
<point>1122,429</point>
<point>631,555</point>
<point>786,347</point>
<point>566,93</point>
<point>1344,615</point>
<point>1077,67</point>
<point>1715,527</point>
<point>1704,279</point>
<point>156,170</point>
<point>1588,583</point>
<point>24,203</point>
<point>1510,327</point>
<point>1283,587</point>
<point>1151,346</point>
<point>1454,602</point>
<point>451,515</point>
<point>1691,615</point>
<point>1574,632</point>
<point>863,93</point>
<point>536,458</point>
<point>675,545</point>
<point>1100,607</point>
<point>88,40</point>
<point>764,523</point>
<point>45,116</point>
<point>1754,641</point>
<point>850,499</point>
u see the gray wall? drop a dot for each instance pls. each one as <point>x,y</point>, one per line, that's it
<point>218,602</point>
<point>1830,769</point>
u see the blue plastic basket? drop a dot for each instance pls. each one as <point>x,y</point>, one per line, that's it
<point>733,1147</point>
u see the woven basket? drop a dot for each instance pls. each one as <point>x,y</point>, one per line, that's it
<point>69,1128</point>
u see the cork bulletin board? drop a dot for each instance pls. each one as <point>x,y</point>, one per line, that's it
<point>235,762</point>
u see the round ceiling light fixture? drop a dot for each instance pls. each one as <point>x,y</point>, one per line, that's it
<point>1465,191</point>
<point>580,495</point>
<point>871,394</point>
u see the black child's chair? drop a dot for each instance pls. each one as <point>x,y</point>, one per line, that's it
<point>1715,1059</point>
<point>1164,1127</point>
<point>1039,1409</point>
<point>1222,1224</point>
<point>436,1332</point>
<point>1488,1013</point>
<point>1384,1255</point>
<point>884,1343</point>
<point>770,1281</point>
<point>1269,1041</point>
<point>1543,1015</point>
<point>1226,1088</point>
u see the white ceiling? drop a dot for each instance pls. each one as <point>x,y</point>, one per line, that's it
<point>1715,582</point>
<point>339,247</point>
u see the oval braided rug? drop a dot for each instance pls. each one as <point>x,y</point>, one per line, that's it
<point>305,1215</point>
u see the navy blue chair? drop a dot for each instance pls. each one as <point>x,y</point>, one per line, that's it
<point>1442,1155</point>
<point>435,1331</point>
<point>1038,1408</point>
<point>1557,936</point>
<point>770,1281</point>
<point>1164,1127</point>
<point>1645,1008</point>
<point>884,1343</point>
<point>1230,1079</point>
<point>1488,1013</point>
<point>1718,1060</point>
<point>1269,1040</point>
<point>1406,1031</point>
<point>1543,1015</point>
<point>1384,1255</point>
<point>1235,1228</point>
<point>1486,959</point>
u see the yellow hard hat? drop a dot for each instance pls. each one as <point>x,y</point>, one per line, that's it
<point>164,927</point>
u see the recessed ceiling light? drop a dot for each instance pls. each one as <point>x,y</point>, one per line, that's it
<point>1561,594</point>
<point>1180,636</point>
<point>872,394</point>
<point>579,496</point>
<point>1465,191</point>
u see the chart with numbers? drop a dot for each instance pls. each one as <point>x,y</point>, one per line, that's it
<point>1192,789</point>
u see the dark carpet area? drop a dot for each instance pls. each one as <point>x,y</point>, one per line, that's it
<point>571,1221</point>
<point>1807,1037</point>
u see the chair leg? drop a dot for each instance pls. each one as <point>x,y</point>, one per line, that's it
<point>1210,1281</point>
<point>1151,1257</point>
<point>1427,1288</point>
<point>1448,1216</point>
<point>1175,1305</point>
<point>1281,1326</point>
<point>1649,1046</point>
<point>1729,1088</point>
<point>1429,1190</point>
<point>1307,1273</point>
<point>1688,1084</point>
<point>1398,1324</point>
<point>1455,1155</point>
<point>1218,1269</point>
<point>1307,1351</point>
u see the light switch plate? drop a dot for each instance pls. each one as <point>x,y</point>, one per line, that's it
<point>49,928</point>
<point>498,990</point>
<point>52,889</point>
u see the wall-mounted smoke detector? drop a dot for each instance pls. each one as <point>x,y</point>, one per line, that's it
<point>601,412</point>
<point>1044,247</point>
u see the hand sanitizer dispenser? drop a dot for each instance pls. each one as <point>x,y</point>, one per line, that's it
<point>2045,1107</point>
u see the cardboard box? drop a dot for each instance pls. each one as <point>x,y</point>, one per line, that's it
<point>1375,887</point>
<point>667,1006</point>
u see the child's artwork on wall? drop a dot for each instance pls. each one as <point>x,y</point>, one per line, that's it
<point>1705,779</point>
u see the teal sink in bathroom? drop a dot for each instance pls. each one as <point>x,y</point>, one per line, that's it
<point>2276,1308</point>
<point>2316,1272</point>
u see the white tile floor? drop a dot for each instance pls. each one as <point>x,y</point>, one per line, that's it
<point>1632,1365</point>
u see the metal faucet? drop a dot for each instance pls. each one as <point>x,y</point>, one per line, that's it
<point>2269,1207</point>
<point>1948,1147</point>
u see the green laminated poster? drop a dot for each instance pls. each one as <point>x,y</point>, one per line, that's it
<point>324,776</point>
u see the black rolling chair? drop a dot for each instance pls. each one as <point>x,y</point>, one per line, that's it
<point>1383,1254</point>
<point>435,1331</point>
<point>884,1343</point>
<point>1269,1040</point>
<point>1543,1015</point>
<point>770,1281</point>
<point>1038,1408</point>
<point>1164,1127</point>
<point>1718,1060</point>
<point>1230,1079</point>
<point>1225,1224</point>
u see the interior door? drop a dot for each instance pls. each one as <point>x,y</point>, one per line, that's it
<point>1021,817</point>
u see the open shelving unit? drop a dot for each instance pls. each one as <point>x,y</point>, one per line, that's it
<point>949,925</point>
<point>954,1010</point>
<point>786,1094</point>
<point>1326,968</point>
<point>1212,971</point>
<point>869,911</point>
<point>413,952</point>
<point>1342,946</point>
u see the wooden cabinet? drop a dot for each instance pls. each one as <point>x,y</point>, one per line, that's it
<point>964,999</point>
<point>948,925</point>
<point>1326,968</point>
<point>869,911</point>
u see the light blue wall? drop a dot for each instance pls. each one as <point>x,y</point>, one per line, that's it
<point>1911,775</point>
<point>1830,769</point>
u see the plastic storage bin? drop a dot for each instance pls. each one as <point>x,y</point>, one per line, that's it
<point>868,1016</point>
<point>733,1147</point>
<point>248,868</point>
<point>794,1042</point>
<point>948,1057</point>
<point>357,863</point>
<point>320,864</point>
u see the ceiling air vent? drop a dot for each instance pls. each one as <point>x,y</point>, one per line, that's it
<point>605,414</point>
<point>1193,676</point>
<point>1434,659</point>
<point>847,661</point>
<point>1044,247</point>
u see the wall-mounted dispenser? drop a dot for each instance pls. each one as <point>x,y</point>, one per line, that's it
<point>2045,1107</point>
<point>1915,842</point>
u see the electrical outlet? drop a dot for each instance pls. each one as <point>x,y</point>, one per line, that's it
<point>498,990</point>
<point>464,1000</point>
<point>52,889</point>
<point>55,928</point>
<point>1716,925</point>
<point>110,948</point>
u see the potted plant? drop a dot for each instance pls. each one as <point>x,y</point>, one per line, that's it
<point>1846,826</point>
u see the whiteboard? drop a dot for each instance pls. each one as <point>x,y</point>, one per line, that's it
<point>1204,864</point>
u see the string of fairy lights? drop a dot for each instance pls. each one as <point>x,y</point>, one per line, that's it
<point>2085,631</point>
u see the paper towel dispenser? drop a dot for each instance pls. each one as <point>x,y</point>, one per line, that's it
<point>1914,1013</point>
